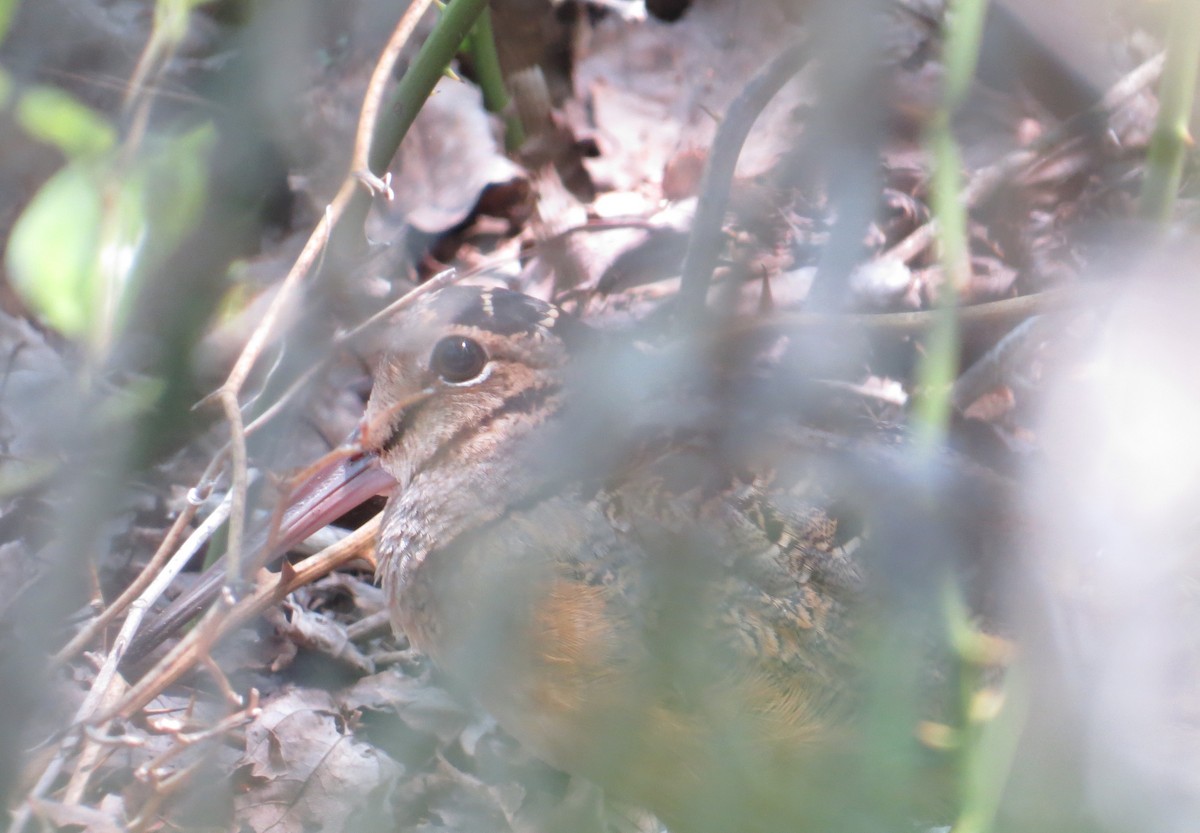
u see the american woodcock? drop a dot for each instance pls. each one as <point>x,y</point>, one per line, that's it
<point>648,576</point>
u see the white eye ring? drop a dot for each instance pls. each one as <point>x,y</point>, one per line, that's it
<point>487,371</point>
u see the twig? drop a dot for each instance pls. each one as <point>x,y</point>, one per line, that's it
<point>138,609</point>
<point>1001,314</point>
<point>164,788</point>
<point>223,685</point>
<point>90,631</point>
<point>441,279</point>
<point>106,677</point>
<point>92,752</point>
<point>271,590</point>
<point>376,140</point>
<point>1133,83</point>
<point>360,163</point>
<point>241,717</point>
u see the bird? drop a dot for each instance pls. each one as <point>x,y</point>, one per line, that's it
<point>643,564</point>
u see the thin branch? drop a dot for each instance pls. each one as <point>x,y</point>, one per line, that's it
<point>93,628</point>
<point>360,163</point>
<point>237,719</point>
<point>272,589</point>
<point>99,696</point>
<point>441,279</point>
<point>391,123</point>
<point>378,139</point>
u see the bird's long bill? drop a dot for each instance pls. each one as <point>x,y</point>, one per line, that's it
<point>334,485</point>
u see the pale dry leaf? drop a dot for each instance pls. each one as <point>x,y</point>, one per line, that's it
<point>652,90</point>
<point>450,155</point>
<point>304,769</point>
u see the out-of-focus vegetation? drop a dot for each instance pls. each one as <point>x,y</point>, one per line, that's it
<point>162,165</point>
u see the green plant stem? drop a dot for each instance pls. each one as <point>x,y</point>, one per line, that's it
<point>418,82</point>
<point>989,760</point>
<point>8,10</point>
<point>400,110</point>
<point>491,79</point>
<point>1168,147</point>
<point>939,365</point>
<point>964,31</point>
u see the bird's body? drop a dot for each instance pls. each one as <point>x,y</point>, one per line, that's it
<point>661,600</point>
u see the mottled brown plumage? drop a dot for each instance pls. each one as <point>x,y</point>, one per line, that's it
<point>648,586</point>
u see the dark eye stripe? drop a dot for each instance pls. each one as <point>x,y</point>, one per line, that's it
<point>528,401</point>
<point>407,418</point>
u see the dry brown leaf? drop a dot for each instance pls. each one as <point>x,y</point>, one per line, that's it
<point>304,769</point>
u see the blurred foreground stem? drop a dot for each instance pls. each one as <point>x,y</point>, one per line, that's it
<point>964,30</point>
<point>8,10</point>
<point>988,759</point>
<point>1168,147</point>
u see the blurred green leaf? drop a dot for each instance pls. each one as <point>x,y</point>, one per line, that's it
<point>171,18</point>
<point>161,196</point>
<point>51,254</point>
<point>174,185</point>
<point>136,398</point>
<point>90,233</point>
<point>20,476</point>
<point>8,8</point>
<point>57,118</point>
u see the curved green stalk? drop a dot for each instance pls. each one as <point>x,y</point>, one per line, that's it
<point>1168,147</point>
<point>400,109</point>
<point>964,31</point>
<point>418,82</point>
<point>491,79</point>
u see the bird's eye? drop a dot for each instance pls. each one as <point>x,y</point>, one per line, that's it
<point>457,359</point>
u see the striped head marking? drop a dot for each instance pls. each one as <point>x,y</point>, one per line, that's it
<point>465,363</point>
